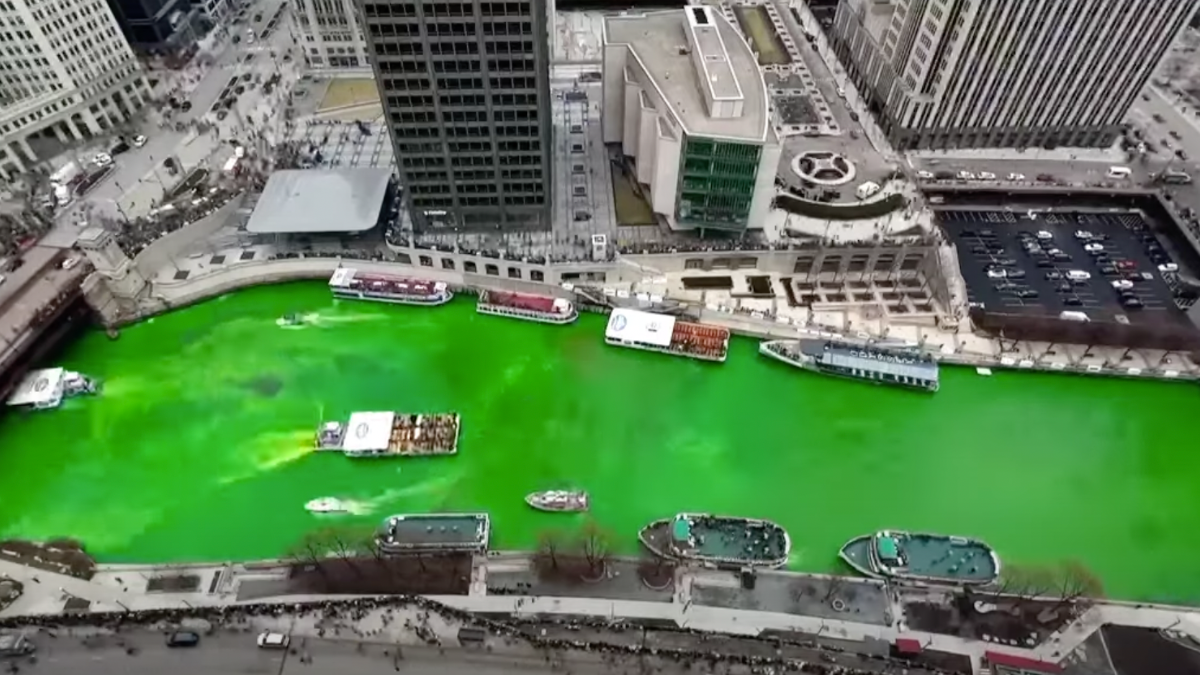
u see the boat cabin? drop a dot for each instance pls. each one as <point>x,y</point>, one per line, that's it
<point>889,552</point>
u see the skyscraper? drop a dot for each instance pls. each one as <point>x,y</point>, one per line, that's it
<point>65,71</point>
<point>466,93</point>
<point>1004,73</point>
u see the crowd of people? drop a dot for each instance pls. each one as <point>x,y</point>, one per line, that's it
<point>20,230</point>
<point>533,631</point>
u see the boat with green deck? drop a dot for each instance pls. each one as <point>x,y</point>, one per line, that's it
<point>721,541</point>
<point>918,556</point>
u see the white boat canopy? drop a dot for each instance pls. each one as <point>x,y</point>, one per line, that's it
<point>39,387</point>
<point>630,325</point>
<point>342,277</point>
<point>368,431</point>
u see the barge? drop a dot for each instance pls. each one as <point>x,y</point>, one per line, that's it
<point>47,388</point>
<point>895,366</point>
<point>922,557</point>
<point>720,541</point>
<point>391,434</point>
<point>667,335</point>
<point>350,284</point>
<point>434,533</point>
<point>540,308</point>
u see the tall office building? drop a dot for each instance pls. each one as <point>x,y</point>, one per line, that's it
<point>1004,73</point>
<point>65,71</point>
<point>466,92</point>
<point>329,33</point>
<point>163,26</point>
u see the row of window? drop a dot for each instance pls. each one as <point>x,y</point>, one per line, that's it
<point>471,267</point>
<point>442,203</point>
<point>446,9</point>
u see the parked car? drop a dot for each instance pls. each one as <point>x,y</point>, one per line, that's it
<point>183,638</point>
<point>270,640</point>
<point>1122,284</point>
<point>1016,176</point>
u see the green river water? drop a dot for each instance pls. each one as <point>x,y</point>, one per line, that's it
<point>199,447</point>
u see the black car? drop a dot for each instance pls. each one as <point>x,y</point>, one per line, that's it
<point>1053,276</point>
<point>1026,293</point>
<point>1065,287</point>
<point>1016,274</point>
<point>1072,301</point>
<point>183,638</point>
<point>1131,303</point>
<point>1043,262</point>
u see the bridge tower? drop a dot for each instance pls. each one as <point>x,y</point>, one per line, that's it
<point>119,286</point>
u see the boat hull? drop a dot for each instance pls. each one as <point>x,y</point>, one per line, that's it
<point>539,317</point>
<point>580,505</point>
<point>668,352</point>
<point>857,553</point>
<point>423,300</point>
<point>660,547</point>
<point>805,364</point>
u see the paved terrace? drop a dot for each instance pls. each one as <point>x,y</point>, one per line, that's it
<point>123,588</point>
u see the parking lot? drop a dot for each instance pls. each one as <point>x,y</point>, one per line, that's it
<point>1105,265</point>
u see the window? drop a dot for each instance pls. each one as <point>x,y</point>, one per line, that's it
<point>470,267</point>
<point>426,261</point>
<point>514,273</point>
<point>447,264</point>
<point>492,270</point>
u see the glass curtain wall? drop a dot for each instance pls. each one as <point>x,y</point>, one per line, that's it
<point>717,183</point>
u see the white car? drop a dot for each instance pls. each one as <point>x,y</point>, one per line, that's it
<point>102,159</point>
<point>966,175</point>
<point>996,273</point>
<point>1168,267</point>
<point>987,175</point>
<point>1122,284</point>
<point>69,263</point>
<point>270,640</point>
<point>1016,176</point>
<point>1083,235</point>
<point>138,141</point>
<point>925,175</point>
<point>1093,248</point>
<point>1044,235</point>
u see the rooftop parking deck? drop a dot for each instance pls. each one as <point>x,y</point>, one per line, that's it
<point>1039,252</point>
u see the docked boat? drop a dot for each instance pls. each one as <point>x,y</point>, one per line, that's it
<point>327,505</point>
<point>405,534</point>
<point>929,558</point>
<point>540,308</point>
<point>896,366</point>
<point>391,434</point>
<point>47,388</point>
<point>666,334</point>
<point>566,501</point>
<point>724,541</point>
<point>354,285</point>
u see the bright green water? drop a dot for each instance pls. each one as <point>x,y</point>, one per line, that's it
<point>198,447</point>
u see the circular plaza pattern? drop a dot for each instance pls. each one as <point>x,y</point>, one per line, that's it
<point>821,167</point>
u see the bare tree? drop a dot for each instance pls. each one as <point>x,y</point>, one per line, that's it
<point>594,544</point>
<point>550,544</point>
<point>1076,585</point>
<point>1022,583</point>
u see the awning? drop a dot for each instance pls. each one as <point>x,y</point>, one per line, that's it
<point>908,646</point>
<point>1021,662</point>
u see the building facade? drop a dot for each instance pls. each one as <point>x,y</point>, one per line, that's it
<point>684,98</point>
<point>996,73</point>
<point>331,37</point>
<point>65,71</point>
<point>466,92</point>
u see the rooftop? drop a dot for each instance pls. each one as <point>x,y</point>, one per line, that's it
<point>312,201</point>
<point>436,529</point>
<point>660,42</point>
<point>38,386</point>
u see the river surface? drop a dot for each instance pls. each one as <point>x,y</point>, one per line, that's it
<point>199,447</point>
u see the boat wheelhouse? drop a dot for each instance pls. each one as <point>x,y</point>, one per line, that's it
<point>667,335</point>
<point>898,367</point>
<point>723,541</point>
<point>540,308</point>
<point>391,434</point>
<point>351,284</point>
<point>49,387</point>
<point>923,557</point>
<point>434,533</point>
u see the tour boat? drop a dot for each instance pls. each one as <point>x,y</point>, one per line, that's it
<point>406,534</point>
<point>565,501</point>
<point>725,541</point>
<point>916,556</point>
<point>354,285</point>
<point>540,308</point>
<point>48,387</point>
<point>874,363</point>
<point>391,434</point>
<point>666,335</point>
<point>327,505</point>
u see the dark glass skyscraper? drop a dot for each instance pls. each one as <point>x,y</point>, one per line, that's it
<point>466,92</point>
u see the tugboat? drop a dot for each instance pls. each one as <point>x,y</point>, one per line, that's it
<point>352,285</point>
<point>563,501</point>
<point>667,335</point>
<point>929,558</point>
<point>327,505</point>
<point>391,434</point>
<point>724,541</point>
<point>540,308</point>
<point>898,367</point>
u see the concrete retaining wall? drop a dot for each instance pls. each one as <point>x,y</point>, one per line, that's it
<point>159,253</point>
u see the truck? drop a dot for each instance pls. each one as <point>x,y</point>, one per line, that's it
<point>65,174</point>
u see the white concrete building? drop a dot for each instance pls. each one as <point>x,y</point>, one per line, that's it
<point>66,70</point>
<point>998,73</point>
<point>331,37</point>
<point>684,97</point>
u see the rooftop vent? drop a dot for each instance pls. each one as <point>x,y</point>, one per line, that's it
<point>700,15</point>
